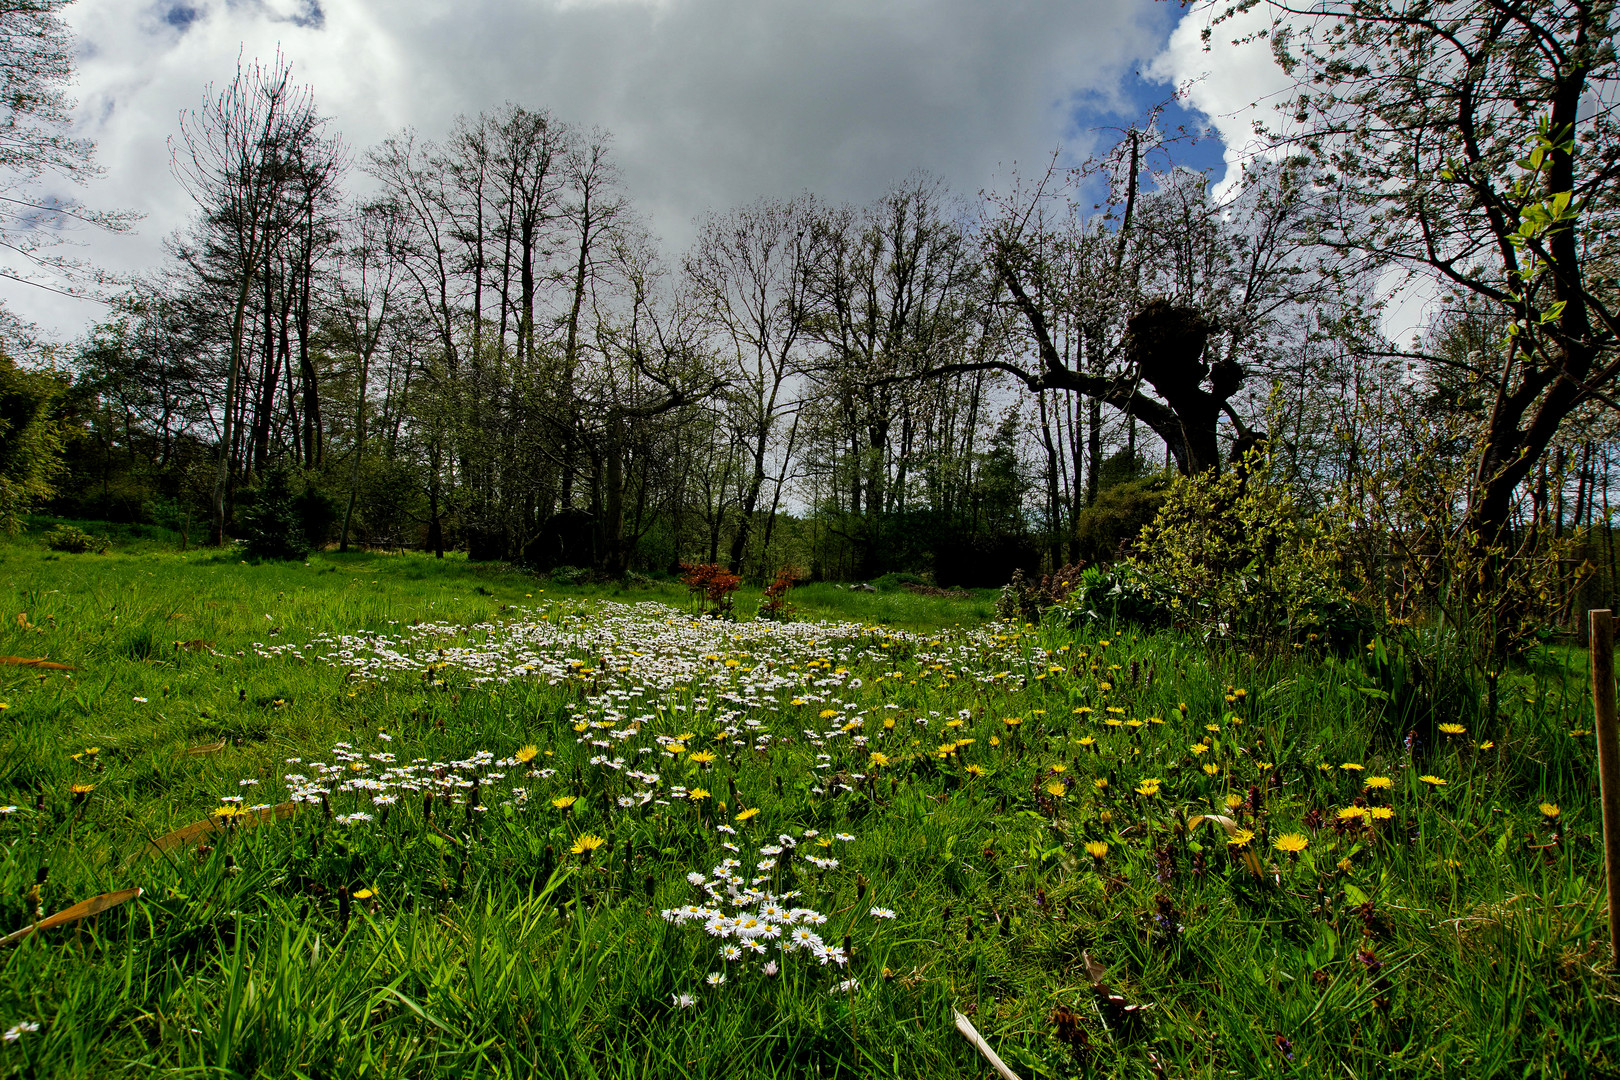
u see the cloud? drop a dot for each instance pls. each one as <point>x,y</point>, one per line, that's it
<point>1234,82</point>
<point>712,103</point>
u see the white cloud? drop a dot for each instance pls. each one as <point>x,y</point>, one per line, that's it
<point>1234,82</point>
<point>712,102</point>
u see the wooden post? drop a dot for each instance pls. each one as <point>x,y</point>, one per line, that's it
<point>1608,743</point>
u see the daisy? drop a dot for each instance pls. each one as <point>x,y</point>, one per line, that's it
<point>715,978</point>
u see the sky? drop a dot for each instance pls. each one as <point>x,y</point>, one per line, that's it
<point>711,103</point>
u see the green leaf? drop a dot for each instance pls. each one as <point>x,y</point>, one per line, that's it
<point>1353,894</point>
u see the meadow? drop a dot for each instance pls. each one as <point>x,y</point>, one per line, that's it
<point>393,816</point>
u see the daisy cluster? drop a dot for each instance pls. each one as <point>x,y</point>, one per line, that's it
<point>750,922</point>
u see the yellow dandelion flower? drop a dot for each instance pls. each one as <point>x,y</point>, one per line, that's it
<point>1012,721</point>
<point>975,771</point>
<point>586,844</point>
<point>697,794</point>
<point>702,757</point>
<point>1380,782</point>
<point>828,714</point>
<point>1233,800</point>
<point>1212,769</point>
<point>747,814</point>
<point>1101,783</point>
<point>1352,813</point>
<point>1240,838</point>
<point>877,760</point>
<point>1148,788</point>
<point>1056,789</point>
<point>995,740</point>
<point>82,789</point>
<point>527,753</point>
<point>1453,729</point>
<point>565,801</point>
<point>1432,781</point>
<point>1096,849</point>
<point>365,894</point>
<point>1382,813</point>
<point>1351,766</point>
<point>1291,843</point>
<point>1549,810</point>
<point>582,726</point>
<point>1198,748</point>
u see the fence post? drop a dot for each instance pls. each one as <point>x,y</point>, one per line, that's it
<point>1608,743</point>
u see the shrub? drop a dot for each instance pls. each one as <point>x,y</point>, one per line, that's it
<point>570,575</point>
<point>75,541</point>
<point>1026,599</point>
<point>285,517</point>
<point>1117,517</point>
<point>774,604</point>
<point>1241,562</point>
<point>711,586</point>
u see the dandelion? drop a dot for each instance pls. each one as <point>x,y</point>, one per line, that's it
<point>527,753</point>
<point>1379,782</point>
<point>1382,813</point>
<point>1453,729</point>
<point>1240,838</point>
<point>1351,766</point>
<point>877,760</point>
<point>365,894</point>
<point>1212,769</point>
<point>1432,781</point>
<point>564,802</point>
<point>1097,850</point>
<point>1352,813</point>
<point>697,794</point>
<point>1012,721</point>
<point>1056,789</point>
<point>747,814</point>
<point>79,791</point>
<point>702,757</point>
<point>587,844</point>
<point>1550,811</point>
<point>1148,788</point>
<point>1291,843</point>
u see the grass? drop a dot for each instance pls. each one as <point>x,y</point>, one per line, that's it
<point>479,932</point>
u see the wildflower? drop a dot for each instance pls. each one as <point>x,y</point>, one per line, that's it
<point>226,812</point>
<point>877,760</point>
<point>1199,748</point>
<point>1453,729</point>
<point>1101,783</point>
<point>587,844</point>
<point>1012,721</point>
<point>828,714</point>
<point>1382,813</point>
<point>1148,788</point>
<point>527,753</point>
<point>1550,811</point>
<point>1351,766</point>
<point>770,968</point>
<point>564,802</point>
<point>715,978</point>
<point>730,952</point>
<point>1240,838</point>
<point>365,894</point>
<point>1432,781</point>
<point>1344,865</point>
<point>1097,849</point>
<point>1212,769</point>
<point>747,814</point>
<point>1056,789</point>
<point>1352,813</point>
<point>848,986</point>
<point>683,1001</point>
<point>1487,745</point>
<point>1290,843</point>
<point>882,913</point>
<point>1379,782</point>
<point>975,771</point>
<point>18,1030</point>
<point>697,794</point>
<point>81,790</point>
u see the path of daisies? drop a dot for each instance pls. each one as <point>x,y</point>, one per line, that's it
<point>617,839</point>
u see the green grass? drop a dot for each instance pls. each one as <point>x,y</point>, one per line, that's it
<point>1453,939</point>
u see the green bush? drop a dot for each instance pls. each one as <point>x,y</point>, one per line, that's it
<point>1240,561</point>
<point>1117,517</point>
<point>891,582</point>
<point>285,517</point>
<point>72,540</point>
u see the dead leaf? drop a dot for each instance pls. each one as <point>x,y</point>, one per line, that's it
<point>23,661</point>
<point>193,834</point>
<point>1094,971</point>
<point>82,910</point>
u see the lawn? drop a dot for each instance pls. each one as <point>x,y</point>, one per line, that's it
<point>461,821</point>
